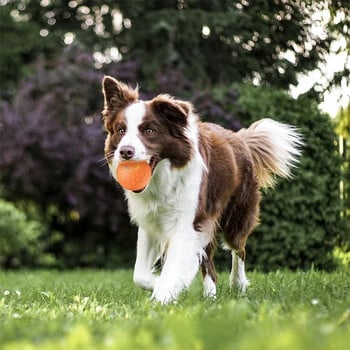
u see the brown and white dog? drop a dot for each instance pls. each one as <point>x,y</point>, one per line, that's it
<point>205,180</point>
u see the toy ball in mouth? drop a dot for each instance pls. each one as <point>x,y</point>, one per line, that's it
<point>134,175</point>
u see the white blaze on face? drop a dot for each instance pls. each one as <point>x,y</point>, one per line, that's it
<point>134,115</point>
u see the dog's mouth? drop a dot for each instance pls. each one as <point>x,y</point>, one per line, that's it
<point>154,160</point>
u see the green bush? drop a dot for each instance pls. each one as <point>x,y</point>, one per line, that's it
<point>21,239</point>
<point>300,218</point>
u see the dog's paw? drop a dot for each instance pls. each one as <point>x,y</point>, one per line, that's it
<point>163,297</point>
<point>209,288</point>
<point>164,294</point>
<point>144,282</point>
<point>240,284</point>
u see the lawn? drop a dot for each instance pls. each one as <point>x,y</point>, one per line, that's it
<point>103,310</point>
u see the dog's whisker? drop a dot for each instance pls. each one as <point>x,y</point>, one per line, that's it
<point>102,162</point>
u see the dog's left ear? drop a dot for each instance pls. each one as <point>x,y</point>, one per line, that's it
<point>175,111</point>
<point>117,95</point>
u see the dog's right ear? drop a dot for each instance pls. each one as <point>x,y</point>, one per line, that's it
<point>117,95</point>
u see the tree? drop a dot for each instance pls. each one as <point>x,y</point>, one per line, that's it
<point>266,42</point>
<point>19,44</point>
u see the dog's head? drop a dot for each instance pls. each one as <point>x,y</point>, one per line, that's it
<point>145,130</point>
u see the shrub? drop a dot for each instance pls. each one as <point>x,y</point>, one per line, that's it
<point>21,239</point>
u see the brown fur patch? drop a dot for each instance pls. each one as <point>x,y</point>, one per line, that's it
<point>117,96</point>
<point>229,192</point>
<point>168,140</point>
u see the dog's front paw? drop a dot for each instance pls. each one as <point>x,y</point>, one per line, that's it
<point>164,294</point>
<point>163,297</point>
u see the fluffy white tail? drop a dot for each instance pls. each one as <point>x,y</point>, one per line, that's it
<point>275,148</point>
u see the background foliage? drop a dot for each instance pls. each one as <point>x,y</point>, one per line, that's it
<point>55,55</point>
<point>263,41</point>
<point>23,240</point>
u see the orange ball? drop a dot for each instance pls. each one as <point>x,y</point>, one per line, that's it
<point>134,175</point>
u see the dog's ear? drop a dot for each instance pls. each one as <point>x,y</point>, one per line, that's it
<point>175,111</point>
<point>117,95</point>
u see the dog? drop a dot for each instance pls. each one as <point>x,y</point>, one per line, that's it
<point>205,180</point>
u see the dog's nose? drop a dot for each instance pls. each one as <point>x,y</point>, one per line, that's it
<point>127,152</point>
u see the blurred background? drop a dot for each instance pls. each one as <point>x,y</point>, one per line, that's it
<point>236,60</point>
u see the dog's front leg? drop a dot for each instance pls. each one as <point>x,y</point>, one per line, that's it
<point>145,259</point>
<point>180,267</point>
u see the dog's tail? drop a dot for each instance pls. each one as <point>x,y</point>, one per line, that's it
<point>275,148</point>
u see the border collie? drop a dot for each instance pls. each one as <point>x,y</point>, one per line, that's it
<point>205,180</point>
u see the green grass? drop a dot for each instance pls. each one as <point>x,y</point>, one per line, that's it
<point>104,310</point>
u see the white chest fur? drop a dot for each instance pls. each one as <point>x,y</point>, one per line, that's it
<point>169,202</point>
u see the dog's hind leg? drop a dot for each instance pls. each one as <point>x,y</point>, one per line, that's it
<point>238,278</point>
<point>208,272</point>
<point>238,221</point>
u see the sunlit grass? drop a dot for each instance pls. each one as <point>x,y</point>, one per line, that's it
<point>104,310</point>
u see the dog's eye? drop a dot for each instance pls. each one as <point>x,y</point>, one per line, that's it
<point>149,131</point>
<point>121,131</point>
